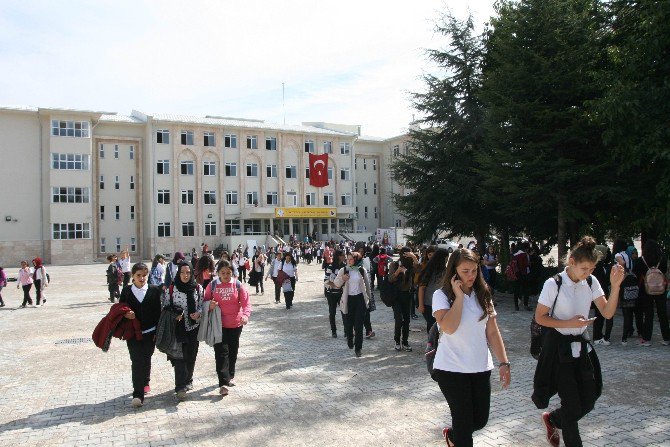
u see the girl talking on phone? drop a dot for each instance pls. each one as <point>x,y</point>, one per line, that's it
<point>568,364</point>
<point>466,318</point>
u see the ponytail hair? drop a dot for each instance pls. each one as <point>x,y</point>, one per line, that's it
<point>585,251</point>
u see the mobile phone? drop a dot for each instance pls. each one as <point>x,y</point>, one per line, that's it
<point>591,319</point>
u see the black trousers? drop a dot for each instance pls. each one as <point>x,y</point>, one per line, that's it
<point>648,302</point>
<point>38,292</point>
<point>126,278</point>
<point>140,358</point>
<point>627,322</point>
<point>277,291</point>
<point>367,323</point>
<point>598,326</point>
<point>401,315</point>
<point>242,272</point>
<point>26,295</point>
<point>574,406</point>
<point>428,316</point>
<point>333,300</point>
<point>113,291</point>
<point>521,288</point>
<point>288,296</point>
<point>469,399</point>
<point>260,275</point>
<point>183,368</point>
<point>225,354</point>
<point>354,320</point>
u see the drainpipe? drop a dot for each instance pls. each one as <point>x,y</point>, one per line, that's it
<point>41,168</point>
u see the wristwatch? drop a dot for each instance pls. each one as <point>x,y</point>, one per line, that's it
<point>505,364</point>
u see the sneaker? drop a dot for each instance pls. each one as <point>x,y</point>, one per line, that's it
<point>407,348</point>
<point>23,306</point>
<point>645,343</point>
<point>223,391</point>
<point>2,305</point>
<point>334,334</point>
<point>358,353</point>
<point>553,437</point>
<point>350,343</point>
<point>231,382</point>
<point>415,317</point>
<point>147,389</point>
<point>664,342</point>
<point>397,347</point>
<point>189,386</point>
<point>370,334</point>
<point>136,402</point>
<point>44,302</point>
<point>445,433</point>
<point>181,394</point>
<point>601,341</point>
<point>624,342</point>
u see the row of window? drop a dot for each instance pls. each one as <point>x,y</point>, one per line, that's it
<point>74,162</point>
<point>103,245</point>
<point>365,188</point>
<point>71,231</point>
<point>187,138</point>
<point>78,129</point>
<point>117,184</point>
<point>70,194</point>
<point>230,170</point>
<point>131,152</point>
<point>117,213</point>
<point>365,164</point>
<point>365,212</point>
<point>271,198</point>
<point>187,229</point>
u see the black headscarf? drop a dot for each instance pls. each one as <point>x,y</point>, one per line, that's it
<point>186,287</point>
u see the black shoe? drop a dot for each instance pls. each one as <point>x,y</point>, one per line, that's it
<point>358,353</point>
<point>516,308</point>
<point>2,305</point>
<point>334,334</point>
<point>350,343</point>
<point>414,317</point>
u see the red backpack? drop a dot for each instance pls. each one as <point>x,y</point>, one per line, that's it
<point>382,265</point>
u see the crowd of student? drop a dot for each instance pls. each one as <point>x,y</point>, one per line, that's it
<point>26,278</point>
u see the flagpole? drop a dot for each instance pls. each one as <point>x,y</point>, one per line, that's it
<point>283,102</point>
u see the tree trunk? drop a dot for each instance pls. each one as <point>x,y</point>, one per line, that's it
<point>504,254</point>
<point>562,252</point>
<point>480,235</point>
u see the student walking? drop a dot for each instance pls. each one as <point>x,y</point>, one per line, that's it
<point>40,280</point>
<point>145,304</point>
<point>25,280</point>
<point>568,364</point>
<point>185,296</point>
<point>273,271</point>
<point>369,333</point>
<point>124,264</point>
<point>172,268</point>
<point>258,272</point>
<point>431,279</point>
<point>353,279</point>
<point>650,295</point>
<point>290,268</point>
<point>466,318</point>
<point>522,283</point>
<point>401,275</point>
<point>332,292</point>
<point>157,274</point>
<point>490,262</point>
<point>233,300</point>
<point>204,270</point>
<point>113,278</point>
<point>3,284</point>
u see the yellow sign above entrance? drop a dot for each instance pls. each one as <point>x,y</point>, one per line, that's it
<point>305,212</point>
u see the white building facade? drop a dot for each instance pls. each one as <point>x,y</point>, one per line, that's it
<point>78,185</point>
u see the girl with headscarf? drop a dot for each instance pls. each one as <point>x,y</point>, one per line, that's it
<point>185,296</point>
<point>40,280</point>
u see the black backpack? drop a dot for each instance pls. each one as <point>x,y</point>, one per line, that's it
<point>431,349</point>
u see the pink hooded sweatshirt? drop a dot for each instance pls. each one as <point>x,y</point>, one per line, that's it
<point>233,305</point>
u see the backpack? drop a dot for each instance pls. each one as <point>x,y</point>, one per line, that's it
<point>629,291</point>
<point>382,265</point>
<point>654,281</point>
<point>512,270</point>
<point>537,331</point>
<point>154,277</point>
<point>431,349</point>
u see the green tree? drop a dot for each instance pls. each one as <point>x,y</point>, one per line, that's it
<point>441,170</point>
<point>545,159</point>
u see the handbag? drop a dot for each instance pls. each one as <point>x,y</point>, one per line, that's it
<point>286,286</point>
<point>166,331</point>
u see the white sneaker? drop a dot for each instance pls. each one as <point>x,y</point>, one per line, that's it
<point>398,347</point>
<point>645,343</point>
<point>624,342</point>
<point>136,402</point>
<point>601,341</point>
<point>665,342</point>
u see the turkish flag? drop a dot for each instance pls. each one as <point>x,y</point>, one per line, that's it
<point>318,170</point>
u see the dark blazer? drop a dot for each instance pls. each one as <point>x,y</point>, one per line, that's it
<point>149,310</point>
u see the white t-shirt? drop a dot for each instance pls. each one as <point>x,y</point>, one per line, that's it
<point>289,269</point>
<point>354,281</point>
<point>466,350</point>
<point>574,299</point>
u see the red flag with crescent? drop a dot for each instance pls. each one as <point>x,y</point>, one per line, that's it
<point>318,170</point>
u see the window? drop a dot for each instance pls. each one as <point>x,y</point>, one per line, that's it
<point>330,173</point>
<point>230,141</point>
<point>291,172</point>
<point>117,213</point>
<point>328,199</point>
<point>71,231</point>
<point>346,199</point>
<point>103,246</point>
<point>356,188</point>
<point>252,142</point>
<point>344,174</point>
<point>210,139</point>
<point>309,146</point>
<point>355,163</point>
<point>132,182</point>
<point>252,226</point>
<point>306,172</point>
<point>186,168</point>
<point>291,198</point>
<point>271,171</point>
<point>164,229</point>
<point>73,162</point>
<point>252,198</point>
<point>101,152</point>
<point>116,151</point>
<point>102,182</point>
<point>133,245</point>
<point>187,137</point>
<point>232,227</point>
<point>327,147</point>
<point>396,150</point>
<point>365,187</point>
<point>252,170</point>
<point>374,164</point>
<point>117,185</point>
<point>375,212</point>
<point>365,212</point>
<point>271,143</point>
<point>102,213</point>
<point>163,136</point>
<point>163,167</point>
<point>187,197</point>
<point>210,228</point>
<point>374,188</point>
<point>188,229</point>
<point>210,197</point>
<point>231,169</point>
<point>271,198</point>
<point>164,196</point>
<point>209,168</point>
<point>310,198</point>
<point>365,164</point>
<point>131,153</point>
<point>345,148</point>
<point>231,197</point>
<point>118,244</point>
<point>77,129</point>
<point>132,213</point>
<point>70,194</point>
<point>398,223</point>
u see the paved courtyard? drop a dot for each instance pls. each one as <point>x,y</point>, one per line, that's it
<point>297,386</point>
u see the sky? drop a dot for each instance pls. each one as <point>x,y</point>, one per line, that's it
<point>349,62</point>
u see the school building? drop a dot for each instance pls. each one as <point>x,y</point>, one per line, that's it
<point>80,184</point>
